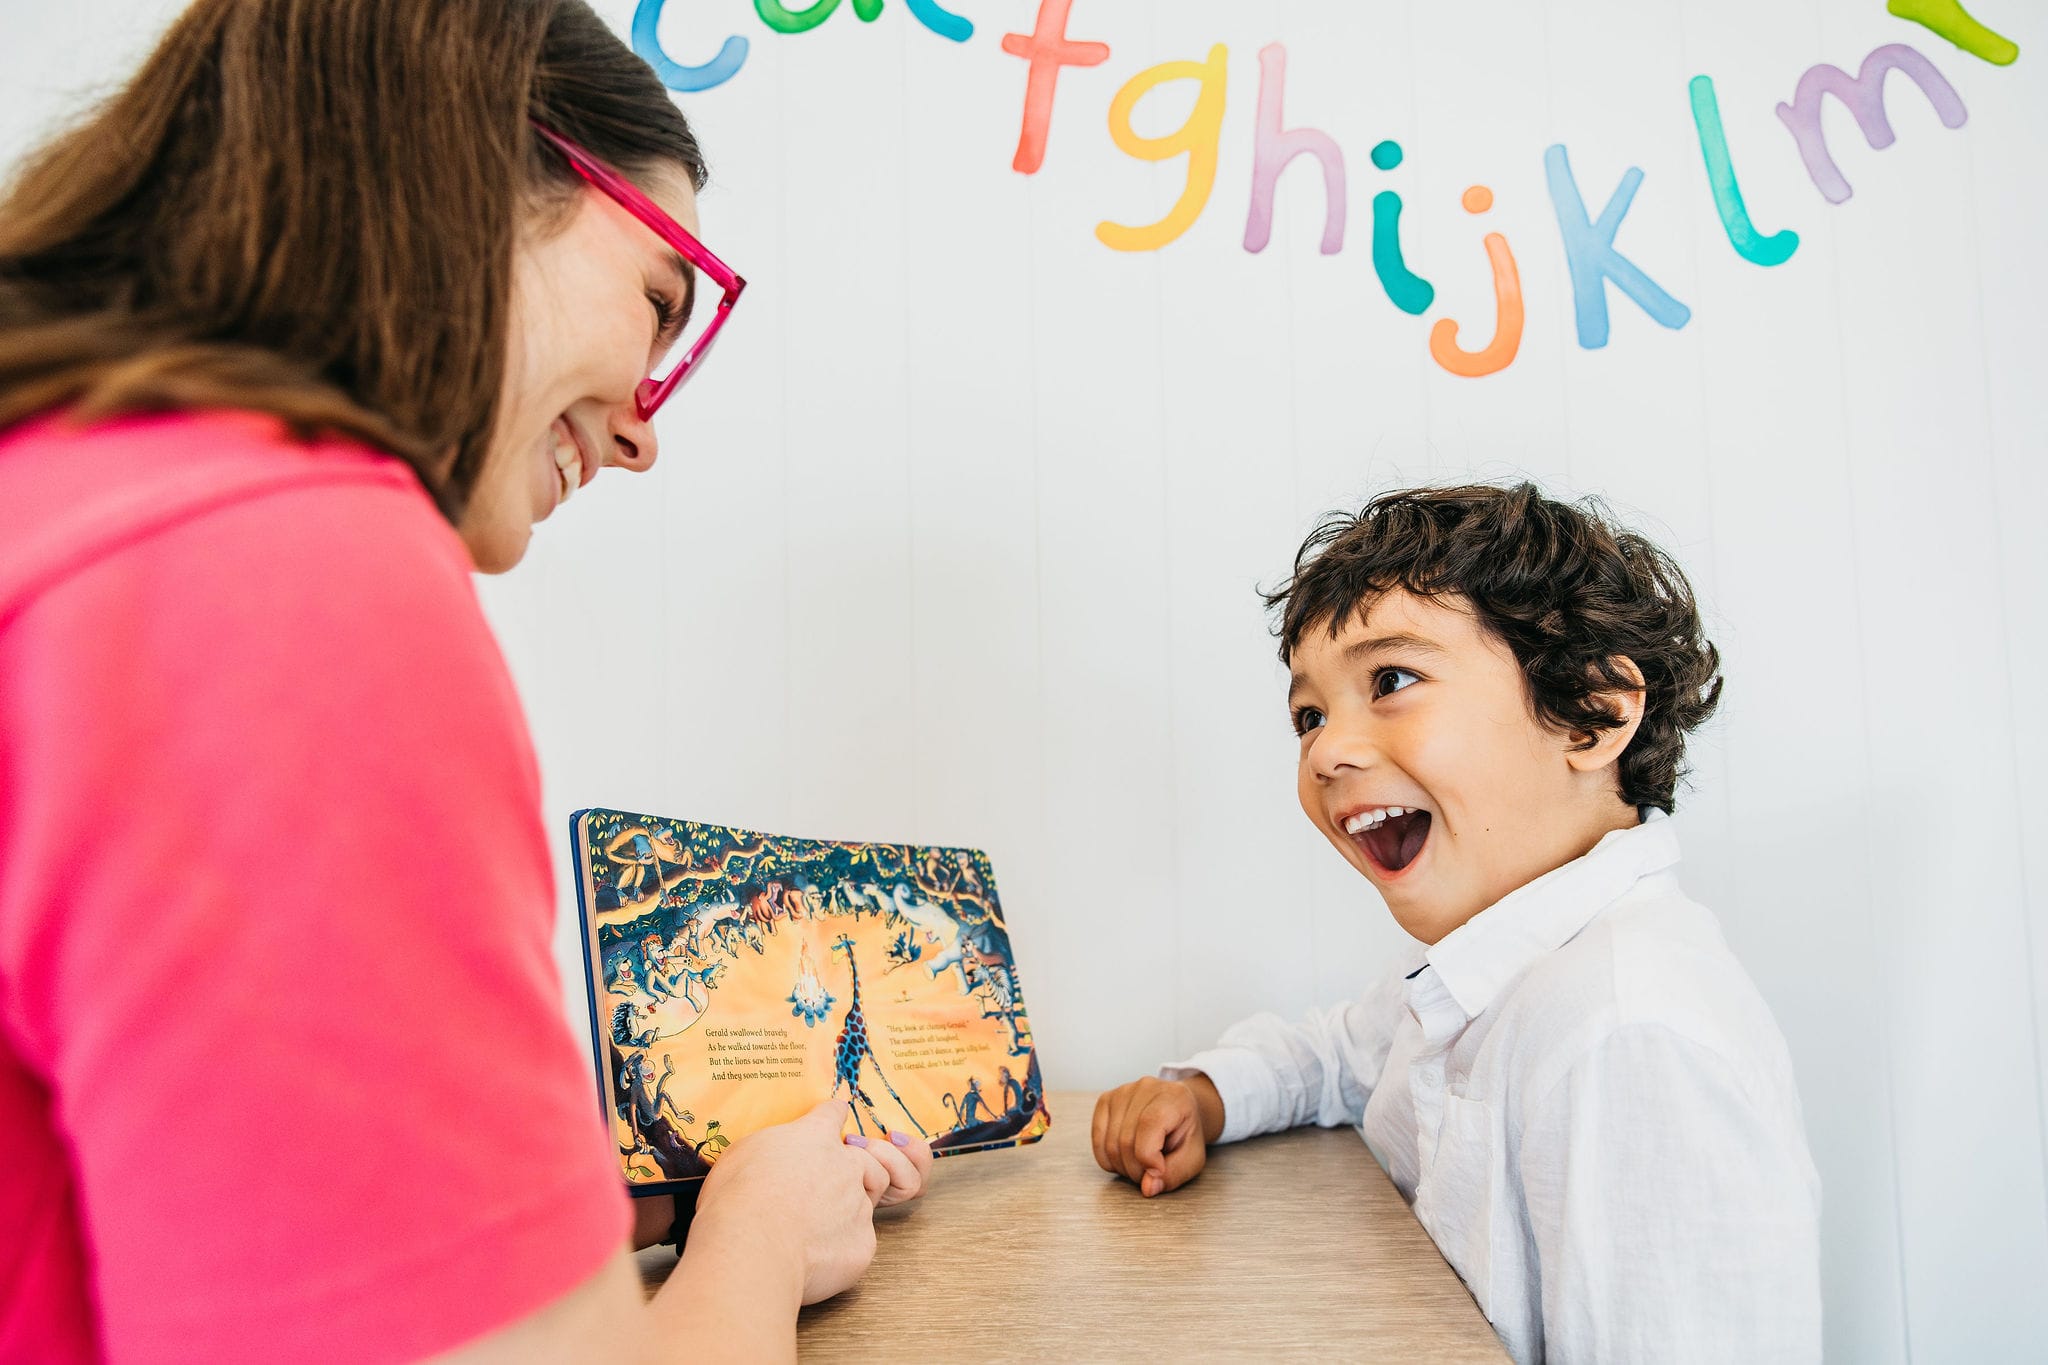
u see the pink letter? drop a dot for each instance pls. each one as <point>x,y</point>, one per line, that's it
<point>1275,147</point>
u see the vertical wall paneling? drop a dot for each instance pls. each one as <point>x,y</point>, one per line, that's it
<point>958,536</point>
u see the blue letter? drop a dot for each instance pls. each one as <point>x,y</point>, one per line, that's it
<point>1589,251</point>
<point>674,75</point>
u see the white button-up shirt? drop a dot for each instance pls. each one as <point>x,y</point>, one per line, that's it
<point>1589,1107</point>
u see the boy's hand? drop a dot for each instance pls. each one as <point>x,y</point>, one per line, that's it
<point>1156,1133</point>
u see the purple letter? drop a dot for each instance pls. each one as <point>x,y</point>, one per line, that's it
<point>1864,97</point>
<point>1276,147</point>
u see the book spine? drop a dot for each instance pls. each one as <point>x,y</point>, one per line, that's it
<point>579,841</point>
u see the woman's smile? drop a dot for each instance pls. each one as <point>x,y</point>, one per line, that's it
<point>573,462</point>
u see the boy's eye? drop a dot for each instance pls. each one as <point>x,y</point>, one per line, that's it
<point>1307,718</point>
<point>1388,681</point>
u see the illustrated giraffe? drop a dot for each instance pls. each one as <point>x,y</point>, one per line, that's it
<point>853,1048</point>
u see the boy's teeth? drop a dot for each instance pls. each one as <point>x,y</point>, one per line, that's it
<point>1373,819</point>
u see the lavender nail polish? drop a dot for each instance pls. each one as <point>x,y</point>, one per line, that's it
<point>900,1138</point>
<point>856,1140</point>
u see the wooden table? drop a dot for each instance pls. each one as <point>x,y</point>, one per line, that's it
<point>1288,1247</point>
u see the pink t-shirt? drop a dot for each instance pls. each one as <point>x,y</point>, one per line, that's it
<point>283,1069</point>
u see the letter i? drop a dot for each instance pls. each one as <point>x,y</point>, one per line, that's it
<point>1507,308</point>
<point>1409,291</point>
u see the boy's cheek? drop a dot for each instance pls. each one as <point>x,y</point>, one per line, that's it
<point>1306,794</point>
<point>1346,849</point>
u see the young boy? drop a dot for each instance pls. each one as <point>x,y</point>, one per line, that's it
<point>1573,1081</point>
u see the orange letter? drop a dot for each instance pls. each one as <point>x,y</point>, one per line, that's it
<point>1507,308</point>
<point>1198,137</point>
<point>1047,48</point>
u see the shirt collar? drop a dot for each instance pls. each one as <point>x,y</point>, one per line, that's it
<point>1492,948</point>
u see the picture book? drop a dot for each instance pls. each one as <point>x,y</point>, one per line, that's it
<point>737,979</point>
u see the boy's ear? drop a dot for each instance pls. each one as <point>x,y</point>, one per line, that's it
<point>1608,744</point>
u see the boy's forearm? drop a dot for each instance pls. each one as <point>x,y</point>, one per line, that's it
<point>1208,1104</point>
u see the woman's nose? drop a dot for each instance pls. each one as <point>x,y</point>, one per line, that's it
<point>632,437</point>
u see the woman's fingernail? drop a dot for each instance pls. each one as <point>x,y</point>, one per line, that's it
<point>900,1138</point>
<point>856,1140</point>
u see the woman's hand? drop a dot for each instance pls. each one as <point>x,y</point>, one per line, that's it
<point>806,1197</point>
<point>908,1161</point>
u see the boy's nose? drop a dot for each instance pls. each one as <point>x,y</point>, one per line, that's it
<point>1339,748</point>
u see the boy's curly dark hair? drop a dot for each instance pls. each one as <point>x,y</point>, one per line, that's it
<point>1566,591</point>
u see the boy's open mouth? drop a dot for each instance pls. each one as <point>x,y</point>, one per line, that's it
<point>1392,841</point>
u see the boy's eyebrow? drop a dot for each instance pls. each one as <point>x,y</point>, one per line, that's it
<point>1357,649</point>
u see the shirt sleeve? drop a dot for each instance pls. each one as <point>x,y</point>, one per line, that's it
<point>277,936</point>
<point>1673,1219</point>
<point>1274,1074</point>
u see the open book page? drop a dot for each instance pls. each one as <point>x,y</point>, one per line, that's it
<point>737,979</point>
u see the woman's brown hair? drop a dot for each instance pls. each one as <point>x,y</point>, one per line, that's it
<point>309,208</point>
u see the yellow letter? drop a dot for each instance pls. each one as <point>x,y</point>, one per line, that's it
<point>1198,137</point>
<point>1949,19</point>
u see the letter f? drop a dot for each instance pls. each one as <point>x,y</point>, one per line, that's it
<point>1047,48</point>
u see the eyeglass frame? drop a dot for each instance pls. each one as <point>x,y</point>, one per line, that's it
<point>652,392</point>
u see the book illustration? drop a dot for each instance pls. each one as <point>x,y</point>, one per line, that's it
<point>852,1049</point>
<point>967,1108</point>
<point>726,980</point>
<point>808,999</point>
<point>645,1099</point>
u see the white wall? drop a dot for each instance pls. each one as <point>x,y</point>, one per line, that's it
<point>955,539</point>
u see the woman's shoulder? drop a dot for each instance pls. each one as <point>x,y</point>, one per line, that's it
<point>73,495</point>
<point>211,635</point>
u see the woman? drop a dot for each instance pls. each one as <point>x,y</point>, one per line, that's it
<point>314,317</point>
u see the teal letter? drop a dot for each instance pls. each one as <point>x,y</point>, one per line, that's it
<point>1410,292</point>
<point>1589,252</point>
<point>1749,244</point>
<point>945,23</point>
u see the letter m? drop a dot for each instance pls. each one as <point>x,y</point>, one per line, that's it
<point>1864,96</point>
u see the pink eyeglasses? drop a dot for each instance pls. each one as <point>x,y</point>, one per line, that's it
<point>655,389</point>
